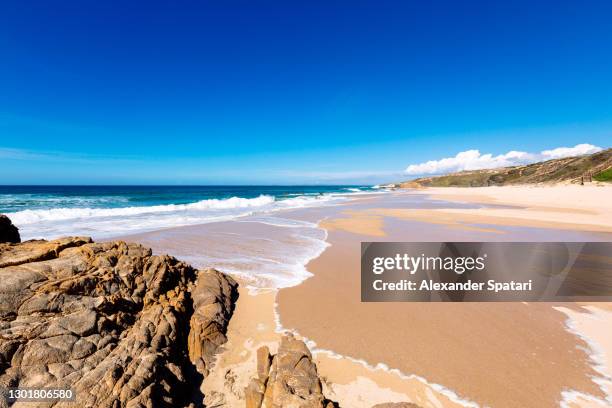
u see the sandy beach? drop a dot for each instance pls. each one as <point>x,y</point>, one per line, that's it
<point>434,355</point>
<point>279,204</point>
<point>585,208</point>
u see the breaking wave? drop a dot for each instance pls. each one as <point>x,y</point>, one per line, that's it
<point>107,222</point>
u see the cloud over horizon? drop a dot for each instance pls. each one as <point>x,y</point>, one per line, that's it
<point>474,160</point>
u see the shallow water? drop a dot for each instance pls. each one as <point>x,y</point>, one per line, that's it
<point>267,252</point>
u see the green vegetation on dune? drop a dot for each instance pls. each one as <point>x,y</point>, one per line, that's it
<point>605,175</point>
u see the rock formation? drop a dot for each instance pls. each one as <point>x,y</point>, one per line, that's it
<point>121,327</point>
<point>287,380</point>
<point>8,232</point>
<point>213,297</point>
<point>111,321</point>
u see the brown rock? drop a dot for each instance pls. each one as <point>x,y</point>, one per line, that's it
<point>254,393</point>
<point>37,250</point>
<point>109,320</point>
<point>8,232</point>
<point>292,380</point>
<point>263,363</point>
<point>214,295</point>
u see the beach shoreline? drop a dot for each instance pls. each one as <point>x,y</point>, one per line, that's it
<point>357,376</point>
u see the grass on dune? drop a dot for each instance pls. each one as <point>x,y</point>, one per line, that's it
<point>605,175</point>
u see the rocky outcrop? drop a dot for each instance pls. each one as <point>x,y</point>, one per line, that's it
<point>111,321</point>
<point>8,232</point>
<point>213,297</point>
<point>288,380</point>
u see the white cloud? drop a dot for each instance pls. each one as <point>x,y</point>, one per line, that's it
<point>474,160</point>
<point>577,150</point>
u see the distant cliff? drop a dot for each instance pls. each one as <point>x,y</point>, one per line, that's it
<point>579,169</point>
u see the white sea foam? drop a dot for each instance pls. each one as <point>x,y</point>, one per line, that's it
<point>59,214</point>
<point>280,222</point>
<point>271,257</point>
<point>596,353</point>
<point>106,222</point>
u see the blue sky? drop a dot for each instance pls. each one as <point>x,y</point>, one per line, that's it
<point>292,92</point>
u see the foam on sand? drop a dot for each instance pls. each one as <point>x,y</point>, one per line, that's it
<point>592,326</point>
<point>265,251</point>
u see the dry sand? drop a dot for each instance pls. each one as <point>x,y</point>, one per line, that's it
<point>252,326</point>
<point>587,208</point>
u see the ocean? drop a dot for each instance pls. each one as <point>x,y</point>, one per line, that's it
<point>106,211</point>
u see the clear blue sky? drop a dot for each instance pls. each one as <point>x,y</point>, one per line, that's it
<point>292,92</point>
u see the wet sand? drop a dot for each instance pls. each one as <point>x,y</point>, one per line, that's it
<point>479,351</point>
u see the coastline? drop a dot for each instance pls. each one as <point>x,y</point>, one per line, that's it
<point>306,205</point>
<point>310,310</point>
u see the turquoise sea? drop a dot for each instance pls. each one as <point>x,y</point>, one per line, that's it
<point>104,211</point>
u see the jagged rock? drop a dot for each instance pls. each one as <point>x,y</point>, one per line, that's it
<point>213,298</point>
<point>291,382</point>
<point>110,320</point>
<point>263,363</point>
<point>8,232</point>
